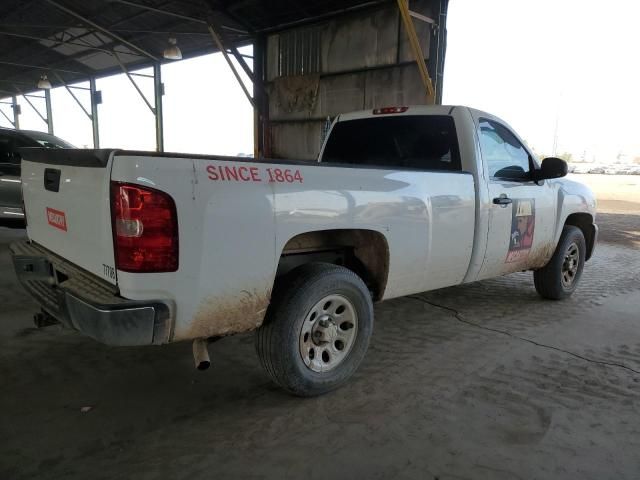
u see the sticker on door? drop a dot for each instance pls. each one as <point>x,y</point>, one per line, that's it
<point>57,219</point>
<point>523,224</point>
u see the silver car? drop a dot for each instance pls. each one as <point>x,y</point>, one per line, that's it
<point>10,184</point>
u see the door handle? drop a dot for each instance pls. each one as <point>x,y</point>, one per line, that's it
<point>52,179</point>
<point>502,200</point>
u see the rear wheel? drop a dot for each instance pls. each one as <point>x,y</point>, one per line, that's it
<point>559,278</point>
<point>317,329</point>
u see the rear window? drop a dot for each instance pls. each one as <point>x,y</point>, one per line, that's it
<point>426,142</point>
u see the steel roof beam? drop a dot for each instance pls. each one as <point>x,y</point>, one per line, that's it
<point>73,95</point>
<point>223,50</point>
<point>61,58</point>
<point>115,38</point>
<point>177,15</point>
<point>414,42</point>
<point>135,85</point>
<point>120,30</point>
<point>7,116</point>
<point>321,17</point>
<point>58,43</point>
<point>160,11</point>
<point>39,67</point>
<point>215,5</point>
<point>102,29</point>
<point>242,62</point>
<point>24,84</point>
<point>35,109</point>
<point>74,57</point>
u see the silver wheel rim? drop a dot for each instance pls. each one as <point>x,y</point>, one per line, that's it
<point>570,265</point>
<point>328,333</point>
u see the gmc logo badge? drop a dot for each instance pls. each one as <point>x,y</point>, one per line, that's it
<point>57,219</point>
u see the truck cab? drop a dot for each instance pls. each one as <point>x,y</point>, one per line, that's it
<point>517,212</point>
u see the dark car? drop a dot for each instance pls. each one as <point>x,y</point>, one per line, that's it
<point>10,184</point>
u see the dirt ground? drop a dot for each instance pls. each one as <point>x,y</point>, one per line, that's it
<point>481,381</point>
<point>618,205</point>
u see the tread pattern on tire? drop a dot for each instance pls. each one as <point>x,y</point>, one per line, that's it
<point>266,340</point>
<point>547,279</point>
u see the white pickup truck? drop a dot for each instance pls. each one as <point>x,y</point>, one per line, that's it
<point>139,248</point>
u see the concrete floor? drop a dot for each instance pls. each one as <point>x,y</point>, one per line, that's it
<point>493,383</point>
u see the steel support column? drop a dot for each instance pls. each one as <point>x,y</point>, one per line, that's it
<point>437,48</point>
<point>95,100</point>
<point>16,112</point>
<point>442,48</point>
<point>261,137</point>
<point>158,92</point>
<point>47,101</point>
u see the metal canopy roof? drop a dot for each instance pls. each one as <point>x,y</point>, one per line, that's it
<point>74,40</point>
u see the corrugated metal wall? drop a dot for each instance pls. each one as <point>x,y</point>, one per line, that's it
<point>359,61</point>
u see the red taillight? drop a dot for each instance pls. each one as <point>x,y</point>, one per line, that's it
<point>385,110</point>
<point>145,229</point>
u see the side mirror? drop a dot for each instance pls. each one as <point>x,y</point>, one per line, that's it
<point>512,172</point>
<point>551,167</point>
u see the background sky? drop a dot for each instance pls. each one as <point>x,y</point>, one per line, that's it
<point>533,63</point>
<point>529,62</point>
<point>205,110</point>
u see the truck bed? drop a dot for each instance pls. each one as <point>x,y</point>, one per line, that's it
<point>236,216</point>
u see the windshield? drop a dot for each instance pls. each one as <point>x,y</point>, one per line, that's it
<point>48,141</point>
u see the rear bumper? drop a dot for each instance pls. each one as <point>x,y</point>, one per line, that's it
<point>87,304</point>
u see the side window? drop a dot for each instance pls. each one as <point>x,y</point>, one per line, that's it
<point>9,162</point>
<point>506,157</point>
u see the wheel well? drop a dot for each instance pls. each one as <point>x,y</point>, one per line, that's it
<point>365,252</point>
<point>584,222</point>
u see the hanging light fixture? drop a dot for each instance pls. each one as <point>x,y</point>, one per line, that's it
<point>172,52</point>
<point>44,83</point>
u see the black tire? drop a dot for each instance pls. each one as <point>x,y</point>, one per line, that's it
<point>552,280</point>
<point>295,299</point>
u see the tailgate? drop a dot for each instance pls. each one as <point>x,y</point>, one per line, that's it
<point>67,205</point>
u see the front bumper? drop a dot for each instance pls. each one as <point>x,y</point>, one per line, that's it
<point>84,302</point>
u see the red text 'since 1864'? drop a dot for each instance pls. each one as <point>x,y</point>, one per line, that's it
<point>234,173</point>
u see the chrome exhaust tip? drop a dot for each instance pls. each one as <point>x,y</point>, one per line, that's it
<point>201,354</point>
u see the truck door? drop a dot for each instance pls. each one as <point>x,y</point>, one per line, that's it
<point>10,184</point>
<point>521,213</point>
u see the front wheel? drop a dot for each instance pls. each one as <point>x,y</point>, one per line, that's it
<point>317,329</point>
<point>559,278</point>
